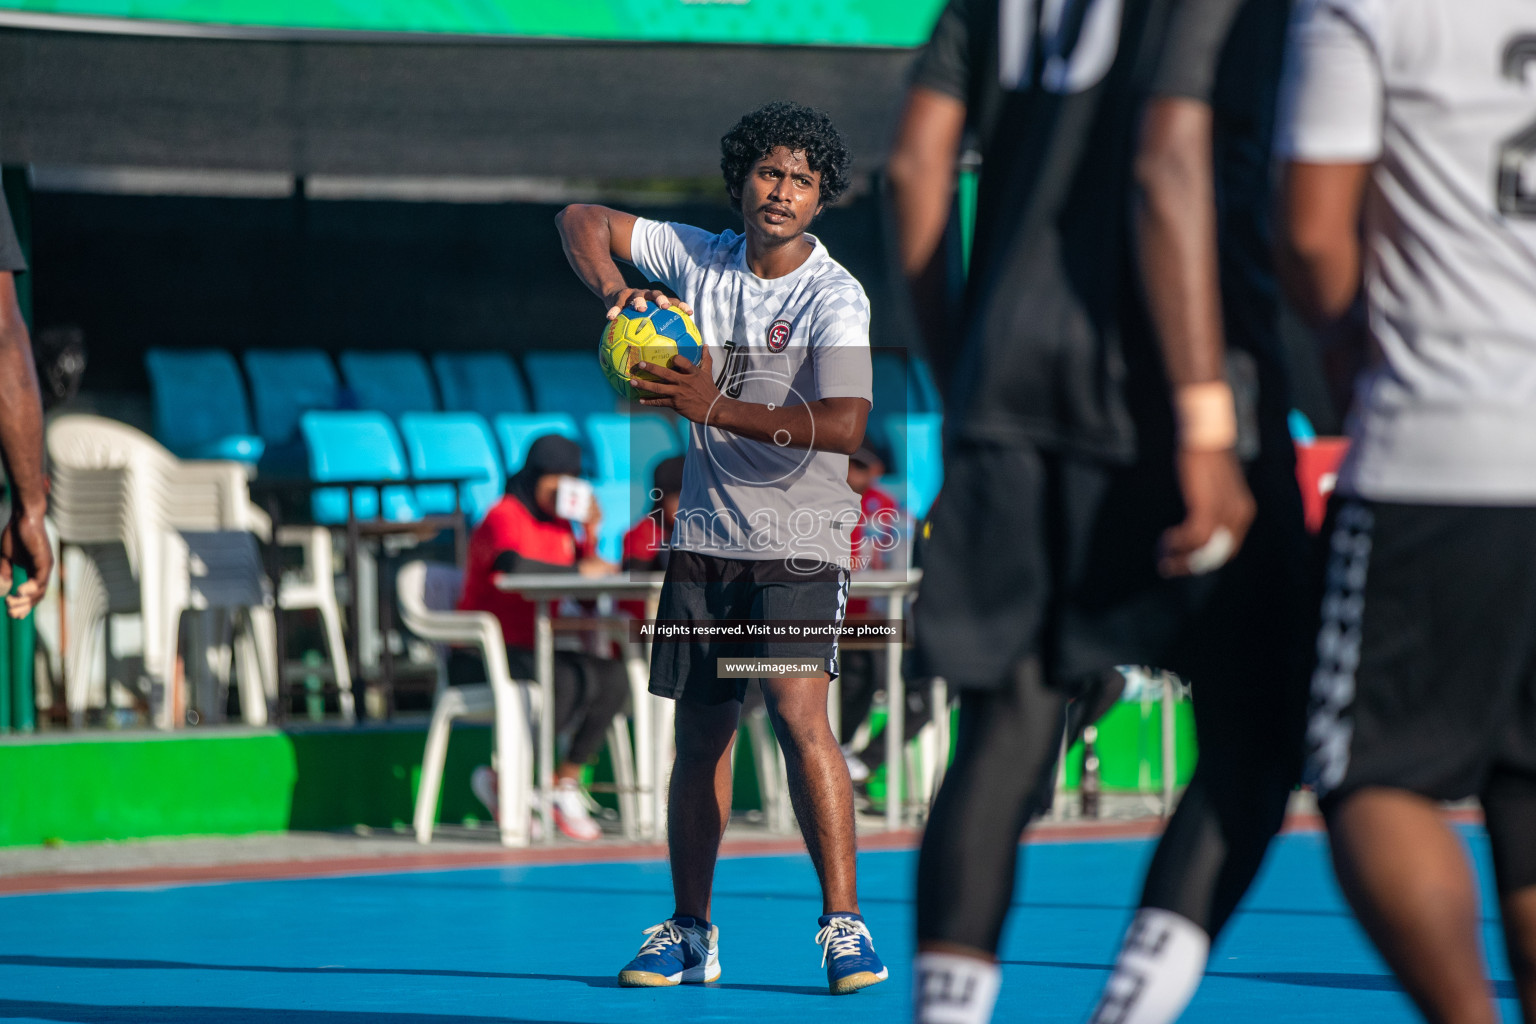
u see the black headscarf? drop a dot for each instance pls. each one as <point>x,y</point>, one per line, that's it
<point>551,454</point>
<point>667,478</point>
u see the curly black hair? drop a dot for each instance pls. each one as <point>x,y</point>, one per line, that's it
<point>798,129</point>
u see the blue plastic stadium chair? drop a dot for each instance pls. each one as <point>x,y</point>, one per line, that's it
<point>627,446</point>
<point>287,383</point>
<point>917,446</point>
<point>482,382</point>
<point>623,503</point>
<point>922,390</point>
<point>516,431</point>
<point>393,383</point>
<point>890,393</point>
<point>356,446</point>
<point>568,382</point>
<point>453,444</point>
<point>200,406</point>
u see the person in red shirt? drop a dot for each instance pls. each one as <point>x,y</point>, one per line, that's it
<point>646,545</point>
<point>522,534</point>
<point>879,517</point>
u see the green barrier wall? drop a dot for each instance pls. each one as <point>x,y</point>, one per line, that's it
<point>1130,748</point>
<point>240,781</point>
<point>224,783</point>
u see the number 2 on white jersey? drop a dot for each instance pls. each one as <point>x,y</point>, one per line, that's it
<point>1517,154</point>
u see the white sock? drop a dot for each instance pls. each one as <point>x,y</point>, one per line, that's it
<point>950,989</point>
<point>1159,968</point>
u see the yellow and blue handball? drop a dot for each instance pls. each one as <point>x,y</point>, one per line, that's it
<point>654,336</point>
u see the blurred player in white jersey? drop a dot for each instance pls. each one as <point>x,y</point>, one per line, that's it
<point>1418,118</point>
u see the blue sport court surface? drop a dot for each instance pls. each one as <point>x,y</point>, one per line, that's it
<point>543,943</point>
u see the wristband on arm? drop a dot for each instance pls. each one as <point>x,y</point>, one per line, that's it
<point>1206,416</point>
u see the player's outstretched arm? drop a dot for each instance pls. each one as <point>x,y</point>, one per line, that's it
<point>920,177</point>
<point>24,542</point>
<point>594,237</point>
<point>1176,228</point>
<point>826,424</point>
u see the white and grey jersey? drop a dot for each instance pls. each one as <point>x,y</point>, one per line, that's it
<point>1441,98</point>
<point>790,340</point>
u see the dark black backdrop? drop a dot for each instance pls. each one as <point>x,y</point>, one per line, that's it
<point>138,271</point>
<point>493,107</point>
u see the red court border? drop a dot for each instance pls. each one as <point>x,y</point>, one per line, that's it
<point>391,864</point>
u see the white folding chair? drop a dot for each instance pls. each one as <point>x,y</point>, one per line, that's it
<point>425,597</point>
<point>508,702</point>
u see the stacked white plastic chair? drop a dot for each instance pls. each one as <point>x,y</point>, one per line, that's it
<point>425,597</point>
<point>161,537</point>
<point>114,494</point>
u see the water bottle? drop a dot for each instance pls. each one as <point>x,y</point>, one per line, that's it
<point>1089,787</point>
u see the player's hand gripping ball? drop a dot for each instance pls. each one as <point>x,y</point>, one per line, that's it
<point>654,336</point>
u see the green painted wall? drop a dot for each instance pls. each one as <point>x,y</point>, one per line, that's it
<point>224,783</point>
<point>1130,747</point>
<point>122,789</point>
<point>240,781</point>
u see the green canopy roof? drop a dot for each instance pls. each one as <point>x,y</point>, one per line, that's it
<point>900,23</point>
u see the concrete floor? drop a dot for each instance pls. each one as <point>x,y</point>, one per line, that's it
<point>1138,812</point>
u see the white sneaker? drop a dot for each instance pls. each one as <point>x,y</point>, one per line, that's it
<point>483,782</point>
<point>858,771</point>
<point>571,815</point>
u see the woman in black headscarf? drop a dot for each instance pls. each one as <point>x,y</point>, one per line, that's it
<point>523,533</point>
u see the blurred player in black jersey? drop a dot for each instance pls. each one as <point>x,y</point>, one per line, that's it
<point>1119,480</point>
<point>23,539</point>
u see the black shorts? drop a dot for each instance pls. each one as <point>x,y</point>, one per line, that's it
<point>1426,672</point>
<point>701,587</point>
<point>1034,553</point>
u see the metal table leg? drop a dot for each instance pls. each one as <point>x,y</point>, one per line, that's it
<point>544,673</point>
<point>895,715</point>
<point>354,612</point>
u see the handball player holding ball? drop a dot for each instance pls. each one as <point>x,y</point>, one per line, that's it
<point>776,403</point>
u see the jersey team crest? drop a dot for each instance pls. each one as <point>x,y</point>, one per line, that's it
<point>778,336</point>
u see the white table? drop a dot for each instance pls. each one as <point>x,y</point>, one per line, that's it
<point>546,589</point>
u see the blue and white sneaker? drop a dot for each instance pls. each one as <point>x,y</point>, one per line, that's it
<point>680,951</point>
<point>848,954</point>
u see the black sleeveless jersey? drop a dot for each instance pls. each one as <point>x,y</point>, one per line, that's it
<point>1054,345</point>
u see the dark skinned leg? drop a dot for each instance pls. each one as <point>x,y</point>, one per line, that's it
<point>1406,875</point>
<point>699,801</point>
<point>819,788</point>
